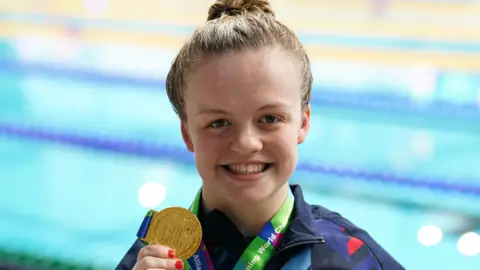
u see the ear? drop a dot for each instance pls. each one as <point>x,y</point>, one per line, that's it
<point>186,136</point>
<point>305,126</point>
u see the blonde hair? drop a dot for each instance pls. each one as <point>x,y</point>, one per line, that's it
<point>235,25</point>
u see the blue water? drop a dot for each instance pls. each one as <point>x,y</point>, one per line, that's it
<point>81,204</point>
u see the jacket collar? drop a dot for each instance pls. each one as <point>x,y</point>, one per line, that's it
<point>302,228</point>
<point>303,224</point>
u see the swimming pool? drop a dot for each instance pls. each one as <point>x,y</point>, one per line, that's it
<point>75,200</point>
<point>84,151</point>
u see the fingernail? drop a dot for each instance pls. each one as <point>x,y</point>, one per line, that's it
<point>179,265</point>
<point>171,254</point>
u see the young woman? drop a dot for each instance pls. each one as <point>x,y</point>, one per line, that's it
<point>241,87</point>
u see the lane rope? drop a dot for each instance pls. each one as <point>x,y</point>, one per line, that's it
<point>179,154</point>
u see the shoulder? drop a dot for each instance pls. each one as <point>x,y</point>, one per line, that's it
<point>347,244</point>
<point>128,261</point>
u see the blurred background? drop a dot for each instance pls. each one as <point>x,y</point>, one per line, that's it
<point>89,142</point>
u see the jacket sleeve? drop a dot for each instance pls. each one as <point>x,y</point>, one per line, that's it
<point>385,260</point>
<point>360,240</point>
<point>128,261</point>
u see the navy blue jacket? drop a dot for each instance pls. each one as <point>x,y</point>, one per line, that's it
<point>316,239</point>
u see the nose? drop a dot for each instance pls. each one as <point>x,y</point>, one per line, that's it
<point>246,141</point>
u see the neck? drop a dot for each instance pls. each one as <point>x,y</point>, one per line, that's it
<point>250,217</point>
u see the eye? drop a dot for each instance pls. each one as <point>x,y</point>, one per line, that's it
<point>269,119</point>
<point>219,123</point>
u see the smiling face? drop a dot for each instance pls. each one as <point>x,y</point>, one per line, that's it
<point>243,122</point>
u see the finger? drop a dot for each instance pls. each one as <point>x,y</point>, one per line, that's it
<point>158,263</point>
<point>158,251</point>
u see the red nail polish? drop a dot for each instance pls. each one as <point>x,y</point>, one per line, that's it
<point>179,265</point>
<point>171,254</point>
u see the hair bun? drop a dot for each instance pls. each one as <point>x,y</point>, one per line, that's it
<point>237,7</point>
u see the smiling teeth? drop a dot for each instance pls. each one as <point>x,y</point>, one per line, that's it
<point>247,169</point>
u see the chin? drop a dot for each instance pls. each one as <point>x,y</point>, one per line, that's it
<point>250,193</point>
<point>247,196</point>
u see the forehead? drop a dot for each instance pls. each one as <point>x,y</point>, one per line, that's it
<point>248,78</point>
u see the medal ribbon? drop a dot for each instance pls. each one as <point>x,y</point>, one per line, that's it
<point>260,250</point>
<point>255,256</point>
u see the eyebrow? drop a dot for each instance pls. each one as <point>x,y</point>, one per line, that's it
<point>212,111</point>
<point>264,107</point>
<point>273,106</point>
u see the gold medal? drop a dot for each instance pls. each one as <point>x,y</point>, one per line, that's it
<point>176,228</point>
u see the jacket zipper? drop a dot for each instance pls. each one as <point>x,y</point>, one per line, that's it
<point>305,242</point>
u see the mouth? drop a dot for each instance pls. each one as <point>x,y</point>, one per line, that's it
<point>247,169</point>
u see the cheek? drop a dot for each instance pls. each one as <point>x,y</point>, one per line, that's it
<point>206,146</point>
<point>204,156</point>
<point>284,143</point>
